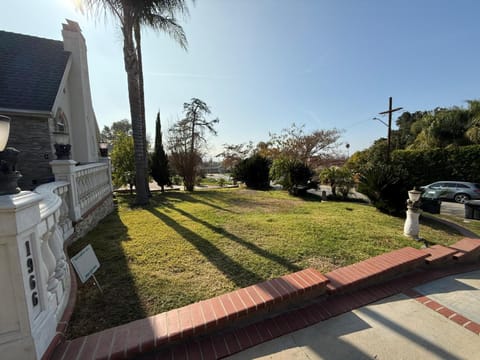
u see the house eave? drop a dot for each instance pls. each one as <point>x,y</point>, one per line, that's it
<point>23,112</point>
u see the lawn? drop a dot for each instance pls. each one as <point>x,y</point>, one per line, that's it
<point>187,247</point>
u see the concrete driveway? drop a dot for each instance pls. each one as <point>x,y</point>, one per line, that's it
<point>398,327</point>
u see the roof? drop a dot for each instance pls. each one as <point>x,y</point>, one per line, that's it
<point>31,69</point>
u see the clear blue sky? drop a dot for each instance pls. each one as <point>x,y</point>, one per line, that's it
<point>263,64</point>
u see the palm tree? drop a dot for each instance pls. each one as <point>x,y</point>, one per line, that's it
<point>132,15</point>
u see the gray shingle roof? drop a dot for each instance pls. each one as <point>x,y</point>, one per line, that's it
<point>31,69</point>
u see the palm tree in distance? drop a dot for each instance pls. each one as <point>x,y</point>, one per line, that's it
<point>132,15</point>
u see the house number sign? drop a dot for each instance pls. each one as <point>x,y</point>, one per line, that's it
<point>32,282</point>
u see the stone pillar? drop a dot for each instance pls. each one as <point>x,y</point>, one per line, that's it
<point>64,170</point>
<point>27,323</point>
<point>412,224</point>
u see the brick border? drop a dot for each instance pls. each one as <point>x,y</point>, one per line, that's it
<point>444,311</point>
<point>218,346</point>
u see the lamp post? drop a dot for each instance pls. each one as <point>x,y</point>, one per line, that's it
<point>412,224</point>
<point>8,160</point>
<point>103,149</point>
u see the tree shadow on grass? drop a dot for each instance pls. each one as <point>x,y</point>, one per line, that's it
<point>234,271</point>
<point>168,198</point>
<point>119,303</point>
<point>252,247</point>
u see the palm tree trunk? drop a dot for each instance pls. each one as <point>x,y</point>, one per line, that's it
<point>131,67</point>
<point>142,97</point>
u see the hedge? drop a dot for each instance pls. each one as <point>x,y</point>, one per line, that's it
<point>451,163</point>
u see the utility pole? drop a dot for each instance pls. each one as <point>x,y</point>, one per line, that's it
<point>389,112</point>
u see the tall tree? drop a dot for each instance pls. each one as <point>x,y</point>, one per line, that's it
<point>131,15</point>
<point>123,161</point>
<point>159,170</point>
<point>187,138</point>
<point>110,133</point>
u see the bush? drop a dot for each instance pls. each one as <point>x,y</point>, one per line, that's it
<point>254,172</point>
<point>221,182</point>
<point>386,187</point>
<point>340,178</point>
<point>451,163</point>
<point>293,175</point>
<point>177,180</point>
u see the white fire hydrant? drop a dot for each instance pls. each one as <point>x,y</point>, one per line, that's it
<point>412,224</point>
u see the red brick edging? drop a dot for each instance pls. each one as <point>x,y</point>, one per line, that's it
<point>225,344</point>
<point>445,311</point>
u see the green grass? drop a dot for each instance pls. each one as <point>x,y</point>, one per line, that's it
<point>208,181</point>
<point>186,247</point>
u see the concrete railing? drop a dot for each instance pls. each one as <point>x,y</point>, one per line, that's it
<point>35,279</point>
<point>93,184</point>
<point>54,229</point>
<point>89,184</point>
<point>34,271</point>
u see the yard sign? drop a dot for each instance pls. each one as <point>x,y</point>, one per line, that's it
<point>85,263</point>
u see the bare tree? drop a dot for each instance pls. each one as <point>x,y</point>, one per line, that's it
<point>294,143</point>
<point>187,138</point>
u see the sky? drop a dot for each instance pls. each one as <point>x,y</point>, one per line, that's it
<point>262,65</point>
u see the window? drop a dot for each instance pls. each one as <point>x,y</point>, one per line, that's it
<point>61,124</point>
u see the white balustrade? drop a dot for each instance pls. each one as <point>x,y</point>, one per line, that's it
<point>93,184</point>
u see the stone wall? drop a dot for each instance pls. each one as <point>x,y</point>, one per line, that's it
<point>31,136</point>
<point>92,218</point>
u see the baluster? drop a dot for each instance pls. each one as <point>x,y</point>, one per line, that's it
<point>49,260</point>
<point>55,242</point>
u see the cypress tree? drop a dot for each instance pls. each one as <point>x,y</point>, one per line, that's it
<point>159,168</point>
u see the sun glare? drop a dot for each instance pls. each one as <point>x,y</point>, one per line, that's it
<point>72,5</point>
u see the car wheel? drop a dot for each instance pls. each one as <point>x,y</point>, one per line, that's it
<point>461,198</point>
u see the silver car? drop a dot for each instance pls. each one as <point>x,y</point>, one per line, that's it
<point>459,191</point>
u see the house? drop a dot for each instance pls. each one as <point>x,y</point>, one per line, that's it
<point>45,90</point>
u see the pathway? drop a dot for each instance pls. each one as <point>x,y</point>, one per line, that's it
<point>399,327</point>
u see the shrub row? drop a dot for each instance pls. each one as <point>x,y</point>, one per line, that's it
<point>452,163</point>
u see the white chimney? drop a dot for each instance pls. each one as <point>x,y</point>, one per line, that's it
<point>83,122</point>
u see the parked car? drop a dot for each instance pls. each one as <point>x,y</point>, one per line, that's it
<point>459,191</point>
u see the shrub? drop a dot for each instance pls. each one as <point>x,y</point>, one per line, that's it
<point>293,175</point>
<point>386,187</point>
<point>340,178</point>
<point>254,172</point>
<point>177,180</point>
<point>221,182</point>
<point>450,163</point>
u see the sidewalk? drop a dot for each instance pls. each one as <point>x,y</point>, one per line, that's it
<point>437,324</point>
